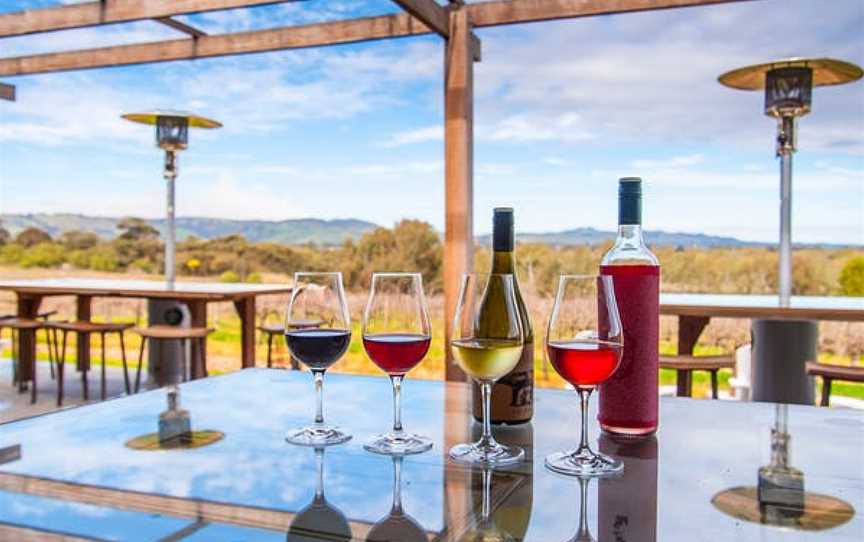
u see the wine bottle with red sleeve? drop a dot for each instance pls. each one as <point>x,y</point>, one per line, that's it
<point>628,400</point>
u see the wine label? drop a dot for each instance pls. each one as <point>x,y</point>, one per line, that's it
<point>512,395</point>
<point>629,399</point>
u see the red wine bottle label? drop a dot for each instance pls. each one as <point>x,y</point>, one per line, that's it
<point>628,400</point>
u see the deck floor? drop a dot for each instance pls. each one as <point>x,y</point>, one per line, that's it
<point>14,405</point>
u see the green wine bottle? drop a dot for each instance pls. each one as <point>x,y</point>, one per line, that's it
<point>512,395</point>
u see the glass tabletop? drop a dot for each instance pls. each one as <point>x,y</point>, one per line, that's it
<point>78,475</point>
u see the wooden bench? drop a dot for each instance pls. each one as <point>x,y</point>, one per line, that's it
<point>684,365</point>
<point>830,373</point>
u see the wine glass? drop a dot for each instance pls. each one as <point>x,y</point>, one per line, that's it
<point>397,525</point>
<point>487,343</point>
<point>584,343</point>
<point>486,529</point>
<point>396,336</point>
<point>319,298</point>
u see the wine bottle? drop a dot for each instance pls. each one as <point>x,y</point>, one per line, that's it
<point>628,399</point>
<point>513,394</point>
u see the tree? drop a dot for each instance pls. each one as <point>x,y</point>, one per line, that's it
<point>31,237</point>
<point>79,240</point>
<point>852,277</point>
<point>4,236</point>
<point>136,229</point>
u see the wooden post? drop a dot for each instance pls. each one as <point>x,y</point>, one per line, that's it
<point>83,311</point>
<point>246,310</point>
<point>28,307</point>
<point>458,169</point>
<point>689,330</point>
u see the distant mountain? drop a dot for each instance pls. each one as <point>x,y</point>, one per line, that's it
<point>292,232</point>
<point>591,236</point>
<point>333,232</point>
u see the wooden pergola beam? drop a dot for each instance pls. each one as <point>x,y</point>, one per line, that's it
<point>432,14</point>
<point>505,12</point>
<point>7,92</point>
<point>31,21</point>
<point>182,27</point>
<point>498,12</point>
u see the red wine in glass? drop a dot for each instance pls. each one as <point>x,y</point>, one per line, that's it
<point>584,364</point>
<point>318,349</point>
<point>396,353</point>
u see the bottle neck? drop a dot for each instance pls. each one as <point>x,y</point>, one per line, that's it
<point>503,261</point>
<point>630,234</point>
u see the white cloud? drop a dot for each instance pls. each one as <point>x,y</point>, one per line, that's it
<point>675,162</point>
<point>419,135</point>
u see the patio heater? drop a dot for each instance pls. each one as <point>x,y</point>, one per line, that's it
<point>781,348</point>
<point>172,135</point>
<point>788,88</point>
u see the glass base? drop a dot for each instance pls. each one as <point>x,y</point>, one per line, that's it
<point>583,463</point>
<point>317,436</point>
<point>486,455</point>
<point>398,444</point>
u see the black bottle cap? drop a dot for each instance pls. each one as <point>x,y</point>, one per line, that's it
<point>502,229</point>
<point>630,200</point>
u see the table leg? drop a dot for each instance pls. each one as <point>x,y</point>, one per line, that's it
<point>246,309</point>
<point>689,330</point>
<point>28,307</point>
<point>83,309</point>
<point>198,349</point>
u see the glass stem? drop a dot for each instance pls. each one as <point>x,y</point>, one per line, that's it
<point>486,395</point>
<point>319,397</point>
<point>319,466</point>
<point>584,533</point>
<point>397,485</point>
<point>487,497</point>
<point>584,396</point>
<point>397,402</point>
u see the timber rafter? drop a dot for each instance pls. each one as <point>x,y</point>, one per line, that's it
<point>420,19</point>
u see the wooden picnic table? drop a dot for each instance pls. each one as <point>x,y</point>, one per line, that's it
<point>694,311</point>
<point>196,296</point>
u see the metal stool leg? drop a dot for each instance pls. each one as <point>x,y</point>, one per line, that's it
<point>51,356</point>
<point>33,383</point>
<point>140,362</point>
<point>84,383</point>
<point>123,357</point>
<point>102,347</point>
<point>269,350</point>
<point>826,392</point>
<point>714,386</point>
<point>61,364</point>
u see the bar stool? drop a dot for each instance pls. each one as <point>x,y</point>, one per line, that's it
<point>16,324</point>
<point>711,364</point>
<point>172,333</point>
<point>43,316</point>
<point>271,331</point>
<point>84,330</point>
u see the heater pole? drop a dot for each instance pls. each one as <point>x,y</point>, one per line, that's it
<point>170,239</point>
<point>785,149</point>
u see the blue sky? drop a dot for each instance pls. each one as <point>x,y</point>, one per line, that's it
<point>563,109</point>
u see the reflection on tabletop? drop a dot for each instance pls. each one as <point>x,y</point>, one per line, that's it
<point>780,499</point>
<point>397,525</point>
<point>320,520</point>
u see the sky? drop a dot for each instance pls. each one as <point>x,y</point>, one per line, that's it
<point>563,109</point>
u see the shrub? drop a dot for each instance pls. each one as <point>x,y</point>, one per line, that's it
<point>31,237</point>
<point>852,277</point>
<point>229,276</point>
<point>103,258</point>
<point>45,254</point>
<point>254,277</point>
<point>11,253</point>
